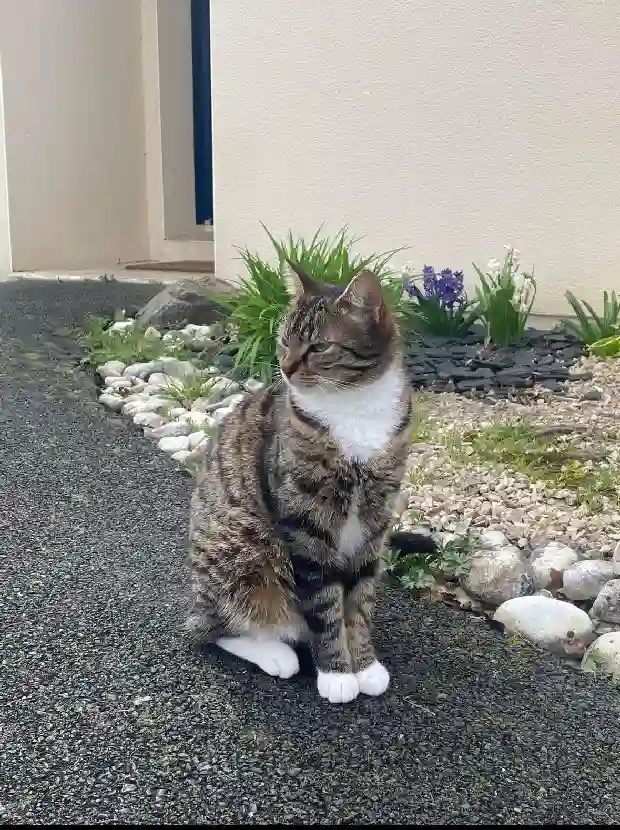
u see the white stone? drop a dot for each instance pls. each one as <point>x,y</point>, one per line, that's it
<point>176,368</point>
<point>112,367</point>
<point>549,562</point>
<point>181,455</point>
<point>498,574</point>
<point>604,655</point>
<point>177,412</point>
<point>140,370</point>
<point>173,443</point>
<point>159,380</point>
<point>135,407</point>
<point>148,419</point>
<point>547,622</point>
<point>231,401</point>
<point>606,606</point>
<point>490,539</point>
<point>174,429</point>
<point>151,403</point>
<point>121,326</point>
<point>253,385</point>
<point>196,438</point>
<point>220,414</point>
<point>201,405</point>
<point>196,420</point>
<point>585,579</point>
<point>617,552</point>
<point>110,401</point>
<point>222,387</point>
<point>116,384</point>
<point>151,333</point>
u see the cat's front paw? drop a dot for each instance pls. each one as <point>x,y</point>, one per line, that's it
<point>337,687</point>
<point>374,679</point>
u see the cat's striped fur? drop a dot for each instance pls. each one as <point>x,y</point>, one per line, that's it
<point>295,500</point>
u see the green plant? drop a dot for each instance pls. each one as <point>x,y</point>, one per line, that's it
<point>130,345</point>
<point>607,347</point>
<point>505,298</point>
<point>417,571</point>
<point>255,308</point>
<point>590,327</point>
<point>538,454</point>
<point>187,391</point>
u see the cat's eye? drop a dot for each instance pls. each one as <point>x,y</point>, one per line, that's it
<point>320,347</point>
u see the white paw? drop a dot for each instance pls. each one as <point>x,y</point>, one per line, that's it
<point>279,661</point>
<point>337,687</point>
<point>374,679</point>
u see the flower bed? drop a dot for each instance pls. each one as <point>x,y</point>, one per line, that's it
<point>521,492</point>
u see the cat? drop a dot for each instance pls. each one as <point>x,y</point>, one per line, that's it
<point>294,503</point>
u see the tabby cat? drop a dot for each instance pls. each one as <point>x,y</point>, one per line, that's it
<point>294,503</point>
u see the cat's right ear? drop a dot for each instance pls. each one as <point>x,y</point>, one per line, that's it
<point>298,282</point>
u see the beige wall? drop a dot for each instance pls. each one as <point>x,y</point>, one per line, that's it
<point>74,131</point>
<point>451,127</point>
<point>5,241</point>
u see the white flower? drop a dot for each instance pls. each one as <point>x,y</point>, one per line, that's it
<point>408,270</point>
<point>519,282</point>
<point>494,267</point>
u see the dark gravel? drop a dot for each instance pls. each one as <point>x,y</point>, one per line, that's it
<point>105,716</point>
<point>466,365</point>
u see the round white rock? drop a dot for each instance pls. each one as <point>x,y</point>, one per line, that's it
<point>550,623</point>
<point>604,655</point>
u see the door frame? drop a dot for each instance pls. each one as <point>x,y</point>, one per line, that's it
<point>169,131</point>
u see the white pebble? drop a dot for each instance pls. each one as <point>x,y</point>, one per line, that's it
<point>139,370</point>
<point>112,367</point>
<point>181,455</point>
<point>604,655</point>
<point>253,385</point>
<point>490,539</point>
<point>173,443</point>
<point>550,623</point>
<point>172,430</point>
<point>585,579</point>
<point>112,402</point>
<point>151,333</point>
<point>549,562</point>
<point>121,326</point>
<point>148,419</point>
<point>196,438</point>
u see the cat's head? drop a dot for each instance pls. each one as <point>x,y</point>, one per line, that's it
<point>334,337</point>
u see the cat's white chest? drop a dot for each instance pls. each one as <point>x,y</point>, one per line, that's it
<point>361,420</point>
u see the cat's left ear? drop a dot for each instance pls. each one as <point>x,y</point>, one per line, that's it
<point>364,292</point>
<point>297,281</point>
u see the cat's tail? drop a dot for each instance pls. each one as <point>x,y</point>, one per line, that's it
<point>410,541</point>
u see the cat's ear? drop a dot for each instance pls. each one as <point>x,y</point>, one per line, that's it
<point>364,292</point>
<point>298,282</point>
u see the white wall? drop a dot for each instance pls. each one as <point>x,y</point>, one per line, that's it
<point>5,240</point>
<point>451,127</point>
<point>74,129</point>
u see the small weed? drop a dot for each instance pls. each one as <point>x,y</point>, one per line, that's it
<point>130,345</point>
<point>185,392</point>
<point>541,455</point>
<point>594,662</point>
<point>417,571</point>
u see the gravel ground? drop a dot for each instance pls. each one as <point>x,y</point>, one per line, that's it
<point>455,489</point>
<point>105,716</point>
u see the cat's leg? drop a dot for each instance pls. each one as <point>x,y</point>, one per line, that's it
<point>372,676</point>
<point>272,656</point>
<point>322,604</point>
